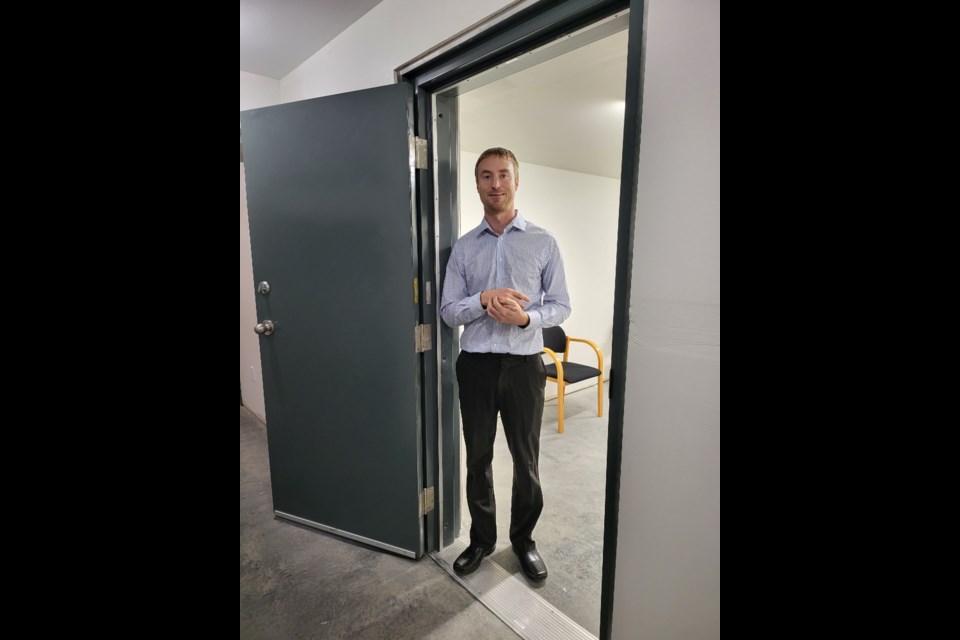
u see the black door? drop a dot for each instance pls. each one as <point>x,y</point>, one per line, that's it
<point>330,193</point>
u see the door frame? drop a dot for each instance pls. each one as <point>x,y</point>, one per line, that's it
<point>519,28</point>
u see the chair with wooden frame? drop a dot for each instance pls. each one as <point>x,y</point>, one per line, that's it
<point>563,373</point>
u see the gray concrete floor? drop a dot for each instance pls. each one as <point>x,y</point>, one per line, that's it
<point>296,582</point>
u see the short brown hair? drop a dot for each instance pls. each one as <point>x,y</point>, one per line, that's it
<point>500,152</point>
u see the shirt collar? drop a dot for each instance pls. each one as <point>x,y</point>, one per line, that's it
<point>518,222</point>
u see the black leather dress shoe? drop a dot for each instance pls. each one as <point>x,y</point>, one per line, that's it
<point>470,559</point>
<point>533,565</point>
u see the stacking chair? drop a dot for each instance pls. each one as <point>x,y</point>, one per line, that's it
<point>555,340</point>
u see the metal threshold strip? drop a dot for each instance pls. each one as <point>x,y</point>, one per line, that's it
<point>511,600</point>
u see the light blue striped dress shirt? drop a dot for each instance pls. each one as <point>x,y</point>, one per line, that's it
<point>526,258</point>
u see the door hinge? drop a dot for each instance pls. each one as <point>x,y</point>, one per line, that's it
<point>419,152</point>
<point>423,337</point>
<point>427,501</point>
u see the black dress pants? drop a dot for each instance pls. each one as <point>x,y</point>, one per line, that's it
<point>513,386</point>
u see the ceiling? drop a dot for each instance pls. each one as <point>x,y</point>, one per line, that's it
<point>566,112</point>
<point>277,36</point>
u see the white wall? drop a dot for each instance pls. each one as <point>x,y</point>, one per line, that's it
<point>389,35</point>
<point>258,91</point>
<point>251,378</point>
<point>255,91</point>
<point>668,561</point>
<point>581,211</point>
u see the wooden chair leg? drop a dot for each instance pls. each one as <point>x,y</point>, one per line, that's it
<point>600,397</point>
<point>560,391</point>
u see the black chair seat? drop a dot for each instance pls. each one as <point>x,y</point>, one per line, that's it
<point>573,372</point>
<point>556,344</point>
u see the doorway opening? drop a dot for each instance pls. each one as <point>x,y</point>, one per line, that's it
<point>560,108</point>
<point>563,117</point>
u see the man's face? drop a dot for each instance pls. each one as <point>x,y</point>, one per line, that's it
<point>496,184</point>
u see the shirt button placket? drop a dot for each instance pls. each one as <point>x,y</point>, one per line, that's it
<point>498,280</point>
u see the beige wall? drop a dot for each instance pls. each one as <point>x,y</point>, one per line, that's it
<point>389,35</point>
<point>668,565</point>
<point>251,378</point>
<point>258,91</point>
<point>255,91</point>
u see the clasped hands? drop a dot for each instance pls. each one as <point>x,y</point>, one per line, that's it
<point>506,306</point>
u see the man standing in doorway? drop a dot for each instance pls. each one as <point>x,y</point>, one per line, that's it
<point>504,283</point>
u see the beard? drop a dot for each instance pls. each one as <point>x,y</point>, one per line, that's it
<point>500,205</point>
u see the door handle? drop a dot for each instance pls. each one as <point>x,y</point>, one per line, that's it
<point>265,328</point>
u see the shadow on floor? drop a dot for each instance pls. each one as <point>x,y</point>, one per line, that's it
<point>298,583</point>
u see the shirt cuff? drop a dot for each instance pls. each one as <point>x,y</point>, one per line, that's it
<point>535,321</point>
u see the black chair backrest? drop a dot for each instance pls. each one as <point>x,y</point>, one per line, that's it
<point>554,338</point>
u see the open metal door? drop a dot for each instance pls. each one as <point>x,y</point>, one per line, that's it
<point>330,193</point>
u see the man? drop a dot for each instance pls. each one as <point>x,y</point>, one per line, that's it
<point>504,283</point>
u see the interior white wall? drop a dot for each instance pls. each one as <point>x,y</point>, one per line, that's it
<point>668,560</point>
<point>255,91</point>
<point>258,91</point>
<point>388,36</point>
<point>251,377</point>
<point>581,211</point>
